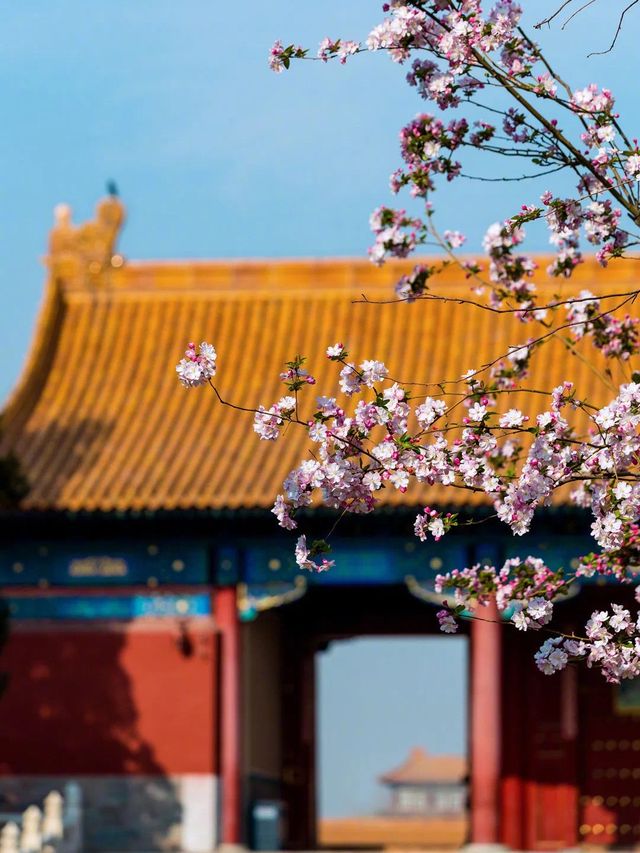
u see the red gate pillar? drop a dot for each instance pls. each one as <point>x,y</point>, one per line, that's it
<point>226,614</point>
<point>485,726</point>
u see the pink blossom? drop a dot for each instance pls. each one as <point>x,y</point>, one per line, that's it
<point>448,624</point>
<point>198,367</point>
<point>303,558</point>
<point>512,418</point>
<point>336,352</point>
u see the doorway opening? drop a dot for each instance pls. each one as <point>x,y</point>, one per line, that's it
<point>391,743</point>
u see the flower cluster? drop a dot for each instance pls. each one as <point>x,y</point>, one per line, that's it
<point>430,521</point>
<point>383,440</point>
<point>413,285</point>
<point>611,643</point>
<point>525,592</point>
<point>280,57</point>
<point>614,336</point>
<point>566,218</point>
<point>510,273</point>
<point>618,563</point>
<point>592,100</point>
<point>338,47</point>
<point>387,442</point>
<point>426,145</point>
<point>304,555</point>
<point>198,366</point>
<point>447,622</point>
<point>525,588</point>
<point>434,84</point>
<point>392,237</point>
<point>405,29</point>
<point>267,423</point>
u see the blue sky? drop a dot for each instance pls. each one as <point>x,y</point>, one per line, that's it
<point>215,156</point>
<point>378,698</point>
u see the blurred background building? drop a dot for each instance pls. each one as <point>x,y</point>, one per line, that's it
<point>425,805</point>
<point>428,785</point>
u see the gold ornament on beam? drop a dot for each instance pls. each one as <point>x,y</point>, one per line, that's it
<point>249,604</point>
<point>418,591</point>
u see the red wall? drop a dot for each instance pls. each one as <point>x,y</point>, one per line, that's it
<point>117,700</point>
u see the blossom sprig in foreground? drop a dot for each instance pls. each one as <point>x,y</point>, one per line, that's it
<point>457,50</point>
<point>525,593</point>
<point>612,644</point>
<point>388,441</point>
<point>379,438</point>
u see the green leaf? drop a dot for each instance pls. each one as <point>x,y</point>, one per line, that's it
<point>319,546</point>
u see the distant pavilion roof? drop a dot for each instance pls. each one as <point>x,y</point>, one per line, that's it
<point>421,767</point>
<point>100,422</point>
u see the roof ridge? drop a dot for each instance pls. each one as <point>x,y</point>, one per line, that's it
<point>422,765</point>
<point>355,277</point>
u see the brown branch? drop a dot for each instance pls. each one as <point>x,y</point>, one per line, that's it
<point>577,12</point>
<point>355,447</point>
<point>461,300</point>
<point>529,344</point>
<point>584,6</point>
<point>520,178</point>
<point>534,342</point>
<point>619,27</point>
<point>548,20</point>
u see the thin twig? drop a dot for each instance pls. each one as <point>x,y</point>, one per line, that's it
<point>461,300</point>
<point>521,178</point>
<point>548,20</point>
<point>615,38</point>
<point>539,340</point>
<point>577,12</point>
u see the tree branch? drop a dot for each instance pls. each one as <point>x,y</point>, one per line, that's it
<point>619,27</point>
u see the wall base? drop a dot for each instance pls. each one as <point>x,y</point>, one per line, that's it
<point>129,814</point>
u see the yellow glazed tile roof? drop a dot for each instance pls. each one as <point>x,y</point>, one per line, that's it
<point>421,767</point>
<point>100,422</point>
